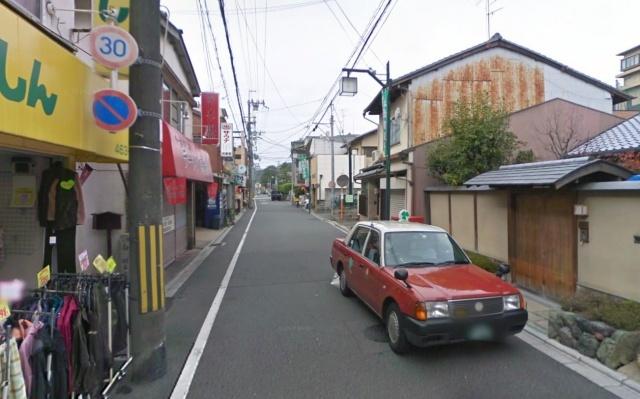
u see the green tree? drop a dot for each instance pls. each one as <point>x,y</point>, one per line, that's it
<point>284,188</point>
<point>479,140</point>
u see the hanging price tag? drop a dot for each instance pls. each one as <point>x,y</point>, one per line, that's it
<point>84,260</point>
<point>5,311</point>
<point>44,276</point>
<point>100,264</point>
<point>111,264</point>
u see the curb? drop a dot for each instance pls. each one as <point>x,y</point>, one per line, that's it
<point>172,287</point>
<point>587,361</point>
<point>331,222</point>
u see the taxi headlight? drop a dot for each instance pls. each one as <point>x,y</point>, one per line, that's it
<point>511,302</point>
<point>437,309</point>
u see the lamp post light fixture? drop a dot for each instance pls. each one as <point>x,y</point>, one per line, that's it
<point>349,87</point>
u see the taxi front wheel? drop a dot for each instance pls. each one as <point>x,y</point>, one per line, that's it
<point>395,333</point>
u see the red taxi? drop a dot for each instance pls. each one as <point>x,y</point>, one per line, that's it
<point>424,287</point>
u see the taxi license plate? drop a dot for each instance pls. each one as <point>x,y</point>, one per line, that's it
<point>480,332</point>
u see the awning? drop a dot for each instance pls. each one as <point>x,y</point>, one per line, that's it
<point>182,158</point>
<point>377,172</point>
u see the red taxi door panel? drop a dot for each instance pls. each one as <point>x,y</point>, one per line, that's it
<point>355,263</point>
<point>374,282</point>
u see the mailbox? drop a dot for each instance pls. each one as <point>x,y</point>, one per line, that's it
<point>107,221</point>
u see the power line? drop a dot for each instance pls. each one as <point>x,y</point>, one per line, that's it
<point>233,65</point>
<point>266,9</point>
<point>350,24</point>
<point>215,48</point>
<point>268,72</point>
<point>370,33</point>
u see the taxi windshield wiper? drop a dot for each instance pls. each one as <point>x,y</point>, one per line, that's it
<point>414,264</point>
<point>453,262</point>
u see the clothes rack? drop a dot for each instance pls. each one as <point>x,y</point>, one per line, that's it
<point>58,279</point>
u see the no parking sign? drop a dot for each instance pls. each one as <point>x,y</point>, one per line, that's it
<point>113,110</point>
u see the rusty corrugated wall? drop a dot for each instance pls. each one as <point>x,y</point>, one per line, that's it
<point>514,83</point>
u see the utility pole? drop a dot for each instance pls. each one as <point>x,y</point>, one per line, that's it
<point>387,145</point>
<point>255,105</point>
<point>333,165</point>
<point>144,201</point>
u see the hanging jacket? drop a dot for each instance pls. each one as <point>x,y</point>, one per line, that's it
<point>65,202</point>
<point>83,364</point>
<point>16,380</point>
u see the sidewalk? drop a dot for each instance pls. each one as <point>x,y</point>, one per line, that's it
<point>179,271</point>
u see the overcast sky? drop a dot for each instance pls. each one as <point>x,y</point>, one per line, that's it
<point>305,43</point>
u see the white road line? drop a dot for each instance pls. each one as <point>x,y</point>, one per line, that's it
<point>181,389</point>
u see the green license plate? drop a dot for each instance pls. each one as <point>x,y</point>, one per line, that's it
<point>480,332</point>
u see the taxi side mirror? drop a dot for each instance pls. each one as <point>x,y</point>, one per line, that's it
<point>503,269</point>
<point>402,275</point>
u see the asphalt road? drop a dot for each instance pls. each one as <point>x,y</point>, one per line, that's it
<point>284,331</point>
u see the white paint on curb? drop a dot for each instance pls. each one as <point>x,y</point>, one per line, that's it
<point>611,380</point>
<point>181,389</point>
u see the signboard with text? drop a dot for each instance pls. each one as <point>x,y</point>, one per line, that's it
<point>176,190</point>
<point>226,143</point>
<point>210,118</point>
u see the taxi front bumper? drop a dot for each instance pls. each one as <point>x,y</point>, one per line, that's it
<point>447,330</point>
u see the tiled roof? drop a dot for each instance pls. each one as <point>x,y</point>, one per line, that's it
<point>623,136</point>
<point>549,173</point>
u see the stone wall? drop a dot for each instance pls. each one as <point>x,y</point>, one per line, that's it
<point>614,348</point>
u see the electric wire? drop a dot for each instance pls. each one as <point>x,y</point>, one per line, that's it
<point>231,59</point>
<point>266,9</point>
<point>217,54</point>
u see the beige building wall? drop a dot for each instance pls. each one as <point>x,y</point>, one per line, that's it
<point>462,219</point>
<point>493,238</point>
<point>610,261</point>
<point>440,210</point>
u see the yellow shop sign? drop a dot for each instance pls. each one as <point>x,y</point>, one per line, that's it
<point>46,93</point>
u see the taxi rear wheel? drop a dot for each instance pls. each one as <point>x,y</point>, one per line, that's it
<point>344,286</point>
<point>395,333</point>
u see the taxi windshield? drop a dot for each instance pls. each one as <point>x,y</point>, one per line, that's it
<point>421,249</point>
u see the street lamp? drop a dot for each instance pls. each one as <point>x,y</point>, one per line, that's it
<point>349,87</point>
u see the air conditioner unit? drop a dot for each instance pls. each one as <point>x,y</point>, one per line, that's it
<point>375,154</point>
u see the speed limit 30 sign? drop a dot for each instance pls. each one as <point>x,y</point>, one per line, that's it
<point>113,47</point>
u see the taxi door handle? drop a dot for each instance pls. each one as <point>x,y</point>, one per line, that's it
<point>361,265</point>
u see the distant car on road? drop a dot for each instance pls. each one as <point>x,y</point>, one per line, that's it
<point>424,287</point>
<point>276,196</point>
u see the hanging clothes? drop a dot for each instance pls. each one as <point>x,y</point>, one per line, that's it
<point>26,348</point>
<point>17,388</point>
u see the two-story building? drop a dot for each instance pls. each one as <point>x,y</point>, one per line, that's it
<point>318,151</point>
<point>422,100</point>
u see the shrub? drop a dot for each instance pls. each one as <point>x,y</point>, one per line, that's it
<point>618,313</point>
<point>484,262</point>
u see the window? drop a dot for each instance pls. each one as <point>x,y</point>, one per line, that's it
<point>368,151</point>
<point>358,239</point>
<point>395,127</point>
<point>372,251</point>
<point>630,62</point>
<point>31,6</point>
<point>421,249</point>
<point>175,111</point>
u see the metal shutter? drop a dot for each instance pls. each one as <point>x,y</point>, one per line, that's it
<point>397,202</point>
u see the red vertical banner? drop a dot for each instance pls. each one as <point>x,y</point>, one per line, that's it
<point>212,190</point>
<point>210,118</point>
<point>176,190</point>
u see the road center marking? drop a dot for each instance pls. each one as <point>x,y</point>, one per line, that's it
<point>181,389</point>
